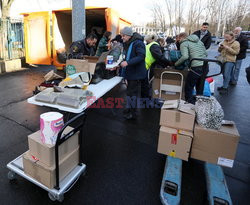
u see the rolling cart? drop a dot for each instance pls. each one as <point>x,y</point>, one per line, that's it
<point>63,186</point>
<point>217,190</point>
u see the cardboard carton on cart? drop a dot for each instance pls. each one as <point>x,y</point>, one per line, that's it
<point>215,146</point>
<point>45,174</point>
<point>45,153</point>
<point>175,143</point>
<point>177,115</point>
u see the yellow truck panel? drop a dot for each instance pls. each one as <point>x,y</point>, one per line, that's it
<point>47,32</point>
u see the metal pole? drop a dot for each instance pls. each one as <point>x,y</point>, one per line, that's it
<point>78,20</point>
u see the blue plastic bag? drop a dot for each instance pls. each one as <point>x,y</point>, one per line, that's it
<point>206,90</point>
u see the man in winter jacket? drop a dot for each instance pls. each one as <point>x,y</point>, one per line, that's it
<point>78,49</point>
<point>154,58</point>
<point>242,55</point>
<point>133,68</point>
<point>204,35</point>
<point>191,47</point>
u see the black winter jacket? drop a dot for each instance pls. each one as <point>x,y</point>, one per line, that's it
<point>243,46</point>
<point>136,69</point>
<point>156,52</point>
<point>207,39</point>
<point>78,49</point>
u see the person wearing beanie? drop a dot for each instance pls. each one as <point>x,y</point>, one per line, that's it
<point>132,68</point>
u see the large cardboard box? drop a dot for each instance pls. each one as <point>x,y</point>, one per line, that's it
<point>175,143</point>
<point>45,153</point>
<point>170,79</point>
<point>45,174</point>
<point>215,146</point>
<point>177,115</point>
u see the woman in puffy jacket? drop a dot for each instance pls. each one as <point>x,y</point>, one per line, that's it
<point>229,49</point>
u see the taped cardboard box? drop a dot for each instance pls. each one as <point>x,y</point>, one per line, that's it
<point>175,143</point>
<point>215,146</point>
<point>45,174</point>
<point>170,79</point>
<point>45,153</point>
<point>177,115</point>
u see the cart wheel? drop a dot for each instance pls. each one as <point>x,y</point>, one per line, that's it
<point>60,198</point>
<point>52,197</point>
<point>11,175</point>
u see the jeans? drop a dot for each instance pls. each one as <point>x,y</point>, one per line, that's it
<point>227,74</point>
<point>236,71</point>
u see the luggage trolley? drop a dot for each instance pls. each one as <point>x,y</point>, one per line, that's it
<point>217,191</point>
<point>63,186</point>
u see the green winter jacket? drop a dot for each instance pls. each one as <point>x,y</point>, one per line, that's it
<point>102,46</point>
<point>192,47</point>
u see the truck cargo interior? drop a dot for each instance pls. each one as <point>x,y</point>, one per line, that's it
<point>95,19</point>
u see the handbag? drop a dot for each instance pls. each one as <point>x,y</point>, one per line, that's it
<point>209,113</point>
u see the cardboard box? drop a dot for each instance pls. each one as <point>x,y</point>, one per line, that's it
<point>175,143</point>
<point>47,175</point>
<point>177,115</point>
<point>76,66</point>
<point>215,146</point>
<point>170,79</point>
<point>46,153</point>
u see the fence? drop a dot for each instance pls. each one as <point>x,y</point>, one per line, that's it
<point>11,39</point>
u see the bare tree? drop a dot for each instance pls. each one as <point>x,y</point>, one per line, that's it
<point>5,7</point>
<point>159,16</point>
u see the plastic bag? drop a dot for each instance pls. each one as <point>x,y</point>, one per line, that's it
<point>209,112</point>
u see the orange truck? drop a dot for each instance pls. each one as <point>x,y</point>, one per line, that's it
<point>50,31</point>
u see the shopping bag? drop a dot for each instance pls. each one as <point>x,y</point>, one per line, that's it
<point>209,113</point>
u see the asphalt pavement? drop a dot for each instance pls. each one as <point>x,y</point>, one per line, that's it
<point>123,166</point>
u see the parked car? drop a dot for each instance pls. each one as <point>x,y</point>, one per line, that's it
<point>247,34</point>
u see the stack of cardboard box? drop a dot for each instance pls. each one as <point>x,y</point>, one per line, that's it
<point>176,132</point>
<point>39,160</point>
<point>182,138</point>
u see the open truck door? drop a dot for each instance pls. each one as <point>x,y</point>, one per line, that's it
<point>37,38</point>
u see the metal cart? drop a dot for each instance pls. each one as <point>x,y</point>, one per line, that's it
<point>63,186</point>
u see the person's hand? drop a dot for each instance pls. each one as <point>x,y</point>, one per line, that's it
<point>124,64</point>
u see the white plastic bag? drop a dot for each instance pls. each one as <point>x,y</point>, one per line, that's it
<point>209,113</point>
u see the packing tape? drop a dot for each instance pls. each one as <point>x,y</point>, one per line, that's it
<point>174,139</point>
<point>177,116</point>
<point>172,153</point>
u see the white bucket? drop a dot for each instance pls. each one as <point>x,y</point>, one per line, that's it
<point>50,125</point>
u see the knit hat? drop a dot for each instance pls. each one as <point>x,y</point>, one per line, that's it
<point>152,37</point>
<point>127,31</point>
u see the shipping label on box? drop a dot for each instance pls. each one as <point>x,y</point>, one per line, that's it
<point>175,143</point>
<point>177,115</point>
<point>45,174</point>
<point>215,146</point>
<point>45,153</point>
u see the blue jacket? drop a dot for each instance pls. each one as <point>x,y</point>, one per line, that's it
<point>136,69</point>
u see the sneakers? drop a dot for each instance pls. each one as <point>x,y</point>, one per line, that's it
<point>220,88</point>
<point>233,83</point>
